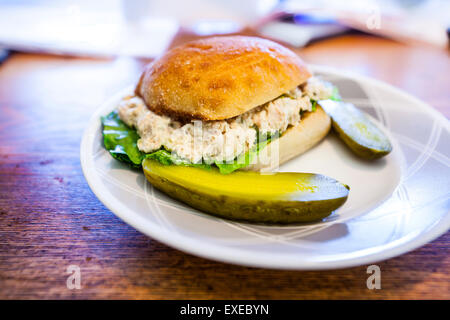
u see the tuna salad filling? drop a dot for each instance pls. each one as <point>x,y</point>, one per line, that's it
<point>224,140</point>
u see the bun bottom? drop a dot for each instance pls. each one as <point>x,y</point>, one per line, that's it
<point>313,127</point>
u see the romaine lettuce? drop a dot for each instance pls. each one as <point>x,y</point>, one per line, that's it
<point>121,140</point>
<point>247,158</point>
<point>167,158</point>
<point>335,94</point>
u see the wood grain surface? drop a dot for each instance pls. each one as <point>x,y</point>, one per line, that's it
<point>50,219</point>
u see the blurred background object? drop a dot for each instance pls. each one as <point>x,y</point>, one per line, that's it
<point>3,54</point>
<point>409,21</point>
<point>144,28</point>
<point>81,27</point>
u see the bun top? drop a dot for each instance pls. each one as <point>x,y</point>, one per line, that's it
<point>219,78</point>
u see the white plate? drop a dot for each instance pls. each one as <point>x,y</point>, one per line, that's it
<point>395,205</point>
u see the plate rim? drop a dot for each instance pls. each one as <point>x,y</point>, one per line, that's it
<point>239,256</point>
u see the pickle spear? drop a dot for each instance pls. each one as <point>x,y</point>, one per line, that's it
<point>278,198</point>
<point>360,134</point>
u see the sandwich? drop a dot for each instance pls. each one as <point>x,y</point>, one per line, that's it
<point>220,101</point>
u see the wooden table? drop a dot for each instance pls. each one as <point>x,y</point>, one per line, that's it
<point>50,219</point>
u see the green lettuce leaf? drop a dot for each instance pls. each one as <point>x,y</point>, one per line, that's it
<point>167,158</point>
<point>121,140</point>
<point>245,159</point>
<point>240,162</point>
<point>335,95</point>
<point>314,105</point>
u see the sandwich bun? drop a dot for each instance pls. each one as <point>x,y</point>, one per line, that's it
<point>312,128</point>
<point>219,78</point>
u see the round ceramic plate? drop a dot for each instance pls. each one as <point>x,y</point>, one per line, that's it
<point>396,204</point>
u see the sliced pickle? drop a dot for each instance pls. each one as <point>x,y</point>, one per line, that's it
<point>360,134</point>
<point>278,198</point>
